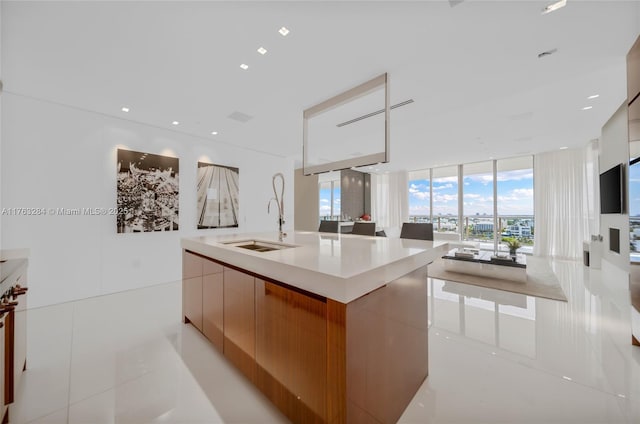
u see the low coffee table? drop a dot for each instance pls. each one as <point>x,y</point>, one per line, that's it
<point>485,264</point>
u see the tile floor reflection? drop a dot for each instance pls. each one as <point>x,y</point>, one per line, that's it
<point>494,357</point>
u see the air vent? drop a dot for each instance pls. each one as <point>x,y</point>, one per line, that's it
<point>525,116</point>
<point>240,117</point>
<point>369,115</point>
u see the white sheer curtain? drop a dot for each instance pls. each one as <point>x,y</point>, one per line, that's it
<point>561,203</point>
<point>390,201</point>
<point>592,186</point>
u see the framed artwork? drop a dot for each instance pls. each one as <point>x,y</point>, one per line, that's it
<point>217,196</point>
<point>148,192</point>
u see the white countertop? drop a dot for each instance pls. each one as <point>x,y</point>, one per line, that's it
<point>342,267</point>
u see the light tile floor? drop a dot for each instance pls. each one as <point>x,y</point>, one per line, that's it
<point>495,357</point>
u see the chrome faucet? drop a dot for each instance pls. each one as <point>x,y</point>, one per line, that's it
<point>280,202</point>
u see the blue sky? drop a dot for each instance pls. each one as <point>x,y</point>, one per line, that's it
<point>515,194</point>
<point>325,201</point>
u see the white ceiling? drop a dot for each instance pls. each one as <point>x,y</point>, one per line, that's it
<point>480,90</point>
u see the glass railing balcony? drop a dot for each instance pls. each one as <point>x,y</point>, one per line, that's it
<point>479,228</point>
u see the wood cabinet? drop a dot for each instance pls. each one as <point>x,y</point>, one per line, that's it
<point>240,321</point>
<point>316,359</point>
<point>192,289</point>
<point>291,354</point>
<point>633,72</point>
<point>212,302</point>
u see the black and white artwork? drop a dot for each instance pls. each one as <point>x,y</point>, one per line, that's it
<point>218,196</point>
<point>147,192</point>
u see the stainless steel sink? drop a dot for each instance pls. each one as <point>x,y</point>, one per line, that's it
<point>258,246</point>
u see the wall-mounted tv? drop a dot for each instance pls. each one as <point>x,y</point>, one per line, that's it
<point>612,190</point>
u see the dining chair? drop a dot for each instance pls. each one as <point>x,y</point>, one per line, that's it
<point>364,228</point>
<point>328,226</point>
<point>417,231</point>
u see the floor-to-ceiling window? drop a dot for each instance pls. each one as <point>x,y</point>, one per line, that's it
<point>444,203</point>
<point>634,208</point>
<point>329,199</point>
<point>434,197</point>
<point>515,200</point>
<point>478,201</point>
<point>420,196</point>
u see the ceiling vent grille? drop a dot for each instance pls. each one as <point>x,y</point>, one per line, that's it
<point>377,112</point>
<point>240,117</point>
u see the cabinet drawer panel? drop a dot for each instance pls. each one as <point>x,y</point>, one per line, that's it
<point>240,321</point>
<point>210,267</point>
<point>191,265</point>
<point>291,351</point>
<point>192,300</point>
<point>212,309</point>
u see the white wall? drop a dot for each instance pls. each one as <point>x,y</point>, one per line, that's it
<point>614,149</point>
<point>1,97</point>
<point>59,157</point>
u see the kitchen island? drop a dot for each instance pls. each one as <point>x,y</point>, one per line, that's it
<point>332,328</point>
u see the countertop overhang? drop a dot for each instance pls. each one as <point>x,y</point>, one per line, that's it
<point>342,267</point>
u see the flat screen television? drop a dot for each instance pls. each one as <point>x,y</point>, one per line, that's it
<point>612,190</point>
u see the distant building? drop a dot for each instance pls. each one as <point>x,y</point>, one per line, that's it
<point>519,230</point>
<point>483,227</point>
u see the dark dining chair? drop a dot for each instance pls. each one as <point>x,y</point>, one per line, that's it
<point>417,231</point>
<point>364,228</point>
<point>328,226</point>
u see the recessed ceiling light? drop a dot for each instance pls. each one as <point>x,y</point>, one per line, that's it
<point>554,6</point>
<point>564,148</point>
<point>593,97</point>
<point>125,109</point>
<point>214,132</point>
<point>262,50</point>
<point>175,123</point>
<point>244,66</point>
<point>587,107</point>
<point>283,31</point>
